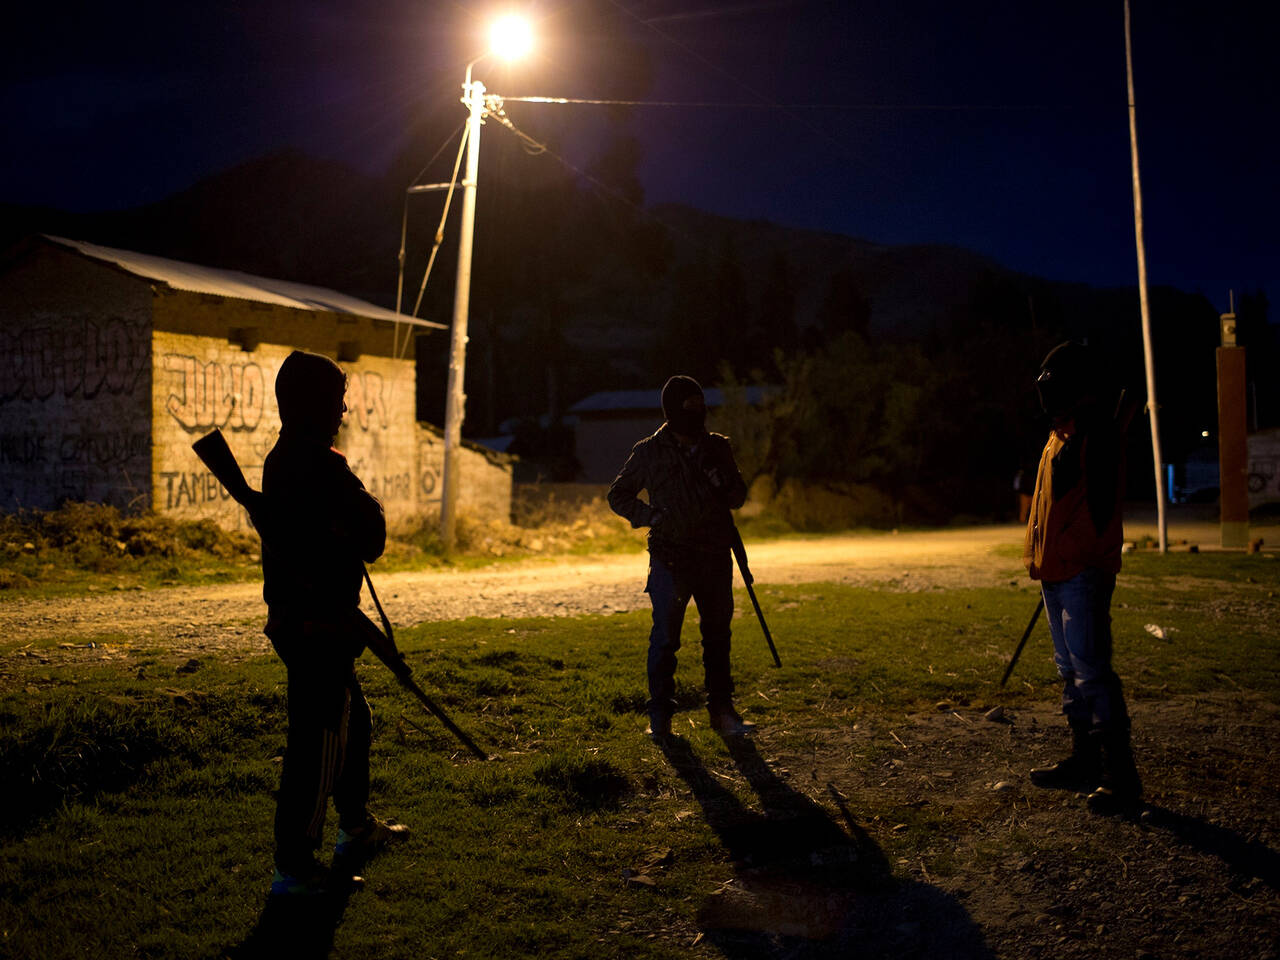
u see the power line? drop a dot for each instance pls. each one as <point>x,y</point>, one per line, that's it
<point>770,105</point>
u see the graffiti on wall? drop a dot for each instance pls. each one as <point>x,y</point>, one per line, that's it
<point>365,399</point>
<point>191,488</point>
<point>230,396</point>
<point>95,448</point>
<point>79,358</point>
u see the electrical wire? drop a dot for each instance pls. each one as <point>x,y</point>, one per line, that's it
<point>493,106</point>
<point>769,105</point>
<point>444,215</point>
<point>404,230</point>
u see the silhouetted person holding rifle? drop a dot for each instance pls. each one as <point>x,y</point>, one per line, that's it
<point>1073,546</point>
<point>324,525</point>
<point>692,482</point>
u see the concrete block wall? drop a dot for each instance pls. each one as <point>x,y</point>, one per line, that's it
<point>484,478</point>
<point>216,361</point>
<point>202,383</point>
<point>75,383</point>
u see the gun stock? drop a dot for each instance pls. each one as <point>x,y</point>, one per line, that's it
<point>214,453</point>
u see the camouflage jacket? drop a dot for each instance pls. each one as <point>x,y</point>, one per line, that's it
<point>691,491</point>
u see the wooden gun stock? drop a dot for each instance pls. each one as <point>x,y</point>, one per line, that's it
<point>214,453</point>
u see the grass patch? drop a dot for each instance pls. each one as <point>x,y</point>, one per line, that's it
<point>144,825</point>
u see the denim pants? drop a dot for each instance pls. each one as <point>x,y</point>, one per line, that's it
<point>707,579</point>
<point>1079,614</point>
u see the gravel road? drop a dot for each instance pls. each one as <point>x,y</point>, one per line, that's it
<point>191,620</point>
<point>227,618</point>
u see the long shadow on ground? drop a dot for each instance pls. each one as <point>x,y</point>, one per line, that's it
<point>296,927</point>
<point>807,886</point>
<point>1248,858</point>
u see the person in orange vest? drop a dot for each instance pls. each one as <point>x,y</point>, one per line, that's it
<point>1073,545</point>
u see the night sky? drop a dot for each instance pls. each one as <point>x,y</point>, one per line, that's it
<point>997,126</point>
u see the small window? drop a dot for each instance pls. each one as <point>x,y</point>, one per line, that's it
<point>246,338</point>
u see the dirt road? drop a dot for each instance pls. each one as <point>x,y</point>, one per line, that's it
<point>228,617</point>
<point>194,619</point>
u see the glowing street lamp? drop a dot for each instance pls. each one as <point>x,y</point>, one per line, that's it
<point>510,37</point>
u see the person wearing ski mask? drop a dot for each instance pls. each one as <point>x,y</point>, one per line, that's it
<point>1073,546</point>
<point>324,523</point>
<point>692,482</point>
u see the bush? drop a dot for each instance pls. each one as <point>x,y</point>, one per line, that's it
<point>97,537</point>
<point>814,508</point>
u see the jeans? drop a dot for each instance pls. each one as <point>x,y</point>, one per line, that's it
<point>707,578</point>
<point>1079,614</point>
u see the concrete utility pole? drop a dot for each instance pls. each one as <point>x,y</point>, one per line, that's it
<point>1152,406</point>
<point>456,399</point>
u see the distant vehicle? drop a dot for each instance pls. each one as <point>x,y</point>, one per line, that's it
<point>1196,480</point>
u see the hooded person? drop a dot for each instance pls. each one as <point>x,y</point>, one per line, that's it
<point>324,525</point>
<point>1073,548</point>
<point>692,483</point>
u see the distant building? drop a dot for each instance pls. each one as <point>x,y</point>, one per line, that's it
<point>610,423</point>
<point>113,362</point>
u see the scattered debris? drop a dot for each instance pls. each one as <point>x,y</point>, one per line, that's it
<point>1159,632</point>
<point>995,715</point>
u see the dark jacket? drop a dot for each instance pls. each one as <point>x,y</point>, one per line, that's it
<point>323,524</point>
<point>691,491</point>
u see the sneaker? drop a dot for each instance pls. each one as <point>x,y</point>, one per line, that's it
<point>368,839</point>
<point>307,879</point>
<point>659,725</point>
<point>728,723</point>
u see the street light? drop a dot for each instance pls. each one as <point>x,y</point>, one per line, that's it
<point>510,37</point>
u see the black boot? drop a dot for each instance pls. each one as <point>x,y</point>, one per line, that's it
<point>1120,791</point>
<point>1080,771</point>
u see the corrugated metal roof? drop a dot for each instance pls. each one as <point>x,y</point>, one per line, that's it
<point>645,401</point>
<point>240,286</point>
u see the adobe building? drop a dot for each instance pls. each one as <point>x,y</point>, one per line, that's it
<point>112,363</point>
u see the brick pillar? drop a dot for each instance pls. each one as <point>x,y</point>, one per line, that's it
<point>1233,447</point>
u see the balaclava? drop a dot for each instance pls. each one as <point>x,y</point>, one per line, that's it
<point>1068,379</point>
<point>307,388</point>
<point>689,423</point>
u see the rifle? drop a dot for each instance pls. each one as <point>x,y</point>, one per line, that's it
<point>740,554</point>
<point>1022,643</point>
<point>213,451</point>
